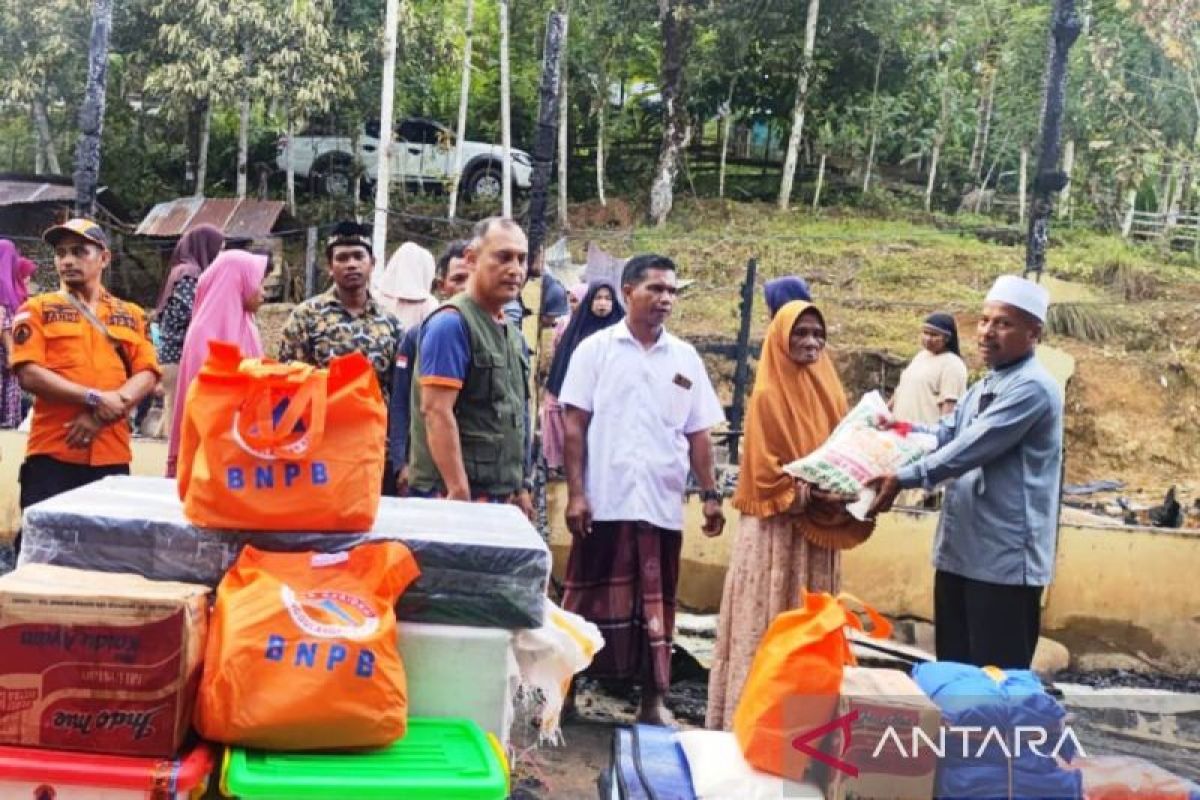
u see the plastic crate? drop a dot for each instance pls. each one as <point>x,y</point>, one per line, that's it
<point>61,775</point>
<point>438,759</point>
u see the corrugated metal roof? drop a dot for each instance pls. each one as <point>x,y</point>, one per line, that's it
<point>249,218</point>
<point>17,192</point>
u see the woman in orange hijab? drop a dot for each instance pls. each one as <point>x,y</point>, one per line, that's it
<point>790,533</point>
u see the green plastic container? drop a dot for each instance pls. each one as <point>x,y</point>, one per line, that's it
<point>438,759</point>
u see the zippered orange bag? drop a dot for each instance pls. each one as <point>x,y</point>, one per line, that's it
<point>302,651</point>
<point>282,447</point>
<point>795,681</point>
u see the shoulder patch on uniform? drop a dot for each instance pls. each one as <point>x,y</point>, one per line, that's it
<point>21,333</point>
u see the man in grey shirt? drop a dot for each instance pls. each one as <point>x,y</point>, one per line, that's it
<point>1001,451</point>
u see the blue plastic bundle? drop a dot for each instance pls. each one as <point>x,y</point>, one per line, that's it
<point>1002,734</point>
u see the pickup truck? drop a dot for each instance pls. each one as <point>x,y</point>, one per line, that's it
<point>423,157</point>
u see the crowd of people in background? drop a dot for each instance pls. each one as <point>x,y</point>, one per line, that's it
<point>627,413</point>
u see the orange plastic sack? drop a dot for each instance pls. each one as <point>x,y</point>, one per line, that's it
<point>282,447</point>
<point>302,651</point>
<point>795,681</point>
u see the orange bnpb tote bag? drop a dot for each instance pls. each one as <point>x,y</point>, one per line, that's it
<point>795,681</point>
<point>282,447</point>
<point>302,651</point>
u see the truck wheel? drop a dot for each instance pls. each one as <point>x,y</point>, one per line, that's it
<point>335,176</point>
<point>485,184</point>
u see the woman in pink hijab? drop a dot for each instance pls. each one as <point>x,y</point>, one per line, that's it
<point>227,295</point>
<point>15,273</point>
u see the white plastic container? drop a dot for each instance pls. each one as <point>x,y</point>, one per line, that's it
<point>62,775</point>
<point>456,671</point>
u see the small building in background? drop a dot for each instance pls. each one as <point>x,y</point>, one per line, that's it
<point>256,225</point>
<point>29,204</point>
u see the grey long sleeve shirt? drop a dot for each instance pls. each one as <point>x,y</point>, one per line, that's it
<point>1001,449</point>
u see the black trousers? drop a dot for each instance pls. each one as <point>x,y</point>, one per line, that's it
<point>985,624</point>
<point>43,477</point>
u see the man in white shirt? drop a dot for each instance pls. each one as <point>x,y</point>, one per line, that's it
<point>638,407</point>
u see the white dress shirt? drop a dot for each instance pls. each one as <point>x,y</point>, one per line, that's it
<point>644,403</point>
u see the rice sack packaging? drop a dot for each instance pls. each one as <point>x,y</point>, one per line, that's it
<point>867,443</point>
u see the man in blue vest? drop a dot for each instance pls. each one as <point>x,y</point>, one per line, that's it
<point>472,390</point>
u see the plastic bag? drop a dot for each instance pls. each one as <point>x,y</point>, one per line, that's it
<point>267,446</point>
<point>548,658</point>
<point>796,679</point>
<point>302,651</point>
<point>1129,778</point>
<point>719,771</point>
<point>867,443</point>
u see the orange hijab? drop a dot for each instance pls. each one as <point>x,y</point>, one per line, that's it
<point>793,409</point>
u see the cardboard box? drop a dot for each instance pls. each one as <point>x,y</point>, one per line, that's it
<point>106,663</point>
<point>882,709</point>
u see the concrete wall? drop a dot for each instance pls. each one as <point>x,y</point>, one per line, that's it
<point>149,458</point>
<point>1130,590</point>
<point>1116,590</point>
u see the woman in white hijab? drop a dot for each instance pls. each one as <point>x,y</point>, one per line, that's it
<point>403,286</point>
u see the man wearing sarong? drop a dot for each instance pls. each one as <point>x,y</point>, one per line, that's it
<point>638,407</point>
<point>1001,452</point>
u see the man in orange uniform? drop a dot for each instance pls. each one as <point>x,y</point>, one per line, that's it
<point>87,359</point>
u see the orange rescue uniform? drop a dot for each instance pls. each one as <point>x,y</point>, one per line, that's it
<point>50,332</point>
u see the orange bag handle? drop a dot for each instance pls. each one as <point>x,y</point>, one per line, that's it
<point>255,424</point>
<point>880,627</point>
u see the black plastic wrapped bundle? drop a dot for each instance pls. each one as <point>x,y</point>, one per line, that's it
<point>481,565</point>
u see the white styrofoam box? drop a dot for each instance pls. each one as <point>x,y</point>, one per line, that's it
<point>719,771</point>
<point>458,671</point>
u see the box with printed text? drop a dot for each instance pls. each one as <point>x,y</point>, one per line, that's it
<point>107,663</point>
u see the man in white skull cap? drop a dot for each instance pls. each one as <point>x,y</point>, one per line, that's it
<point>1001,452</point>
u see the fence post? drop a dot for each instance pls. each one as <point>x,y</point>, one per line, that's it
<point>737,409</point>
<point>310,263</point>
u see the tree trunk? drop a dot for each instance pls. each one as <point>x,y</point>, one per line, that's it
<point>464,92</point>
<point>91,112</point>
<point>820,182</point>
<point>874,121</point>
<point>675,17</point>
<point>564,106</point>
<point>1064,198</point>
<point>356,181</point>
<point>202,160</point>
<point>383,167</point>
<point>1131,206</point>
<point>505,114</point>
<point>289,163</point>
<point>545,136</point>
<point>987,118</point>
<point>726,126</point>
<point>793,150</point>
<point>46,148</point>
<point>1064,30</point>
<point>601,122</point>
<point>243,143</point>
<point>933,168</point>
<point>939,138</point>
<point>1022,185</point>
<point>983,116</point>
